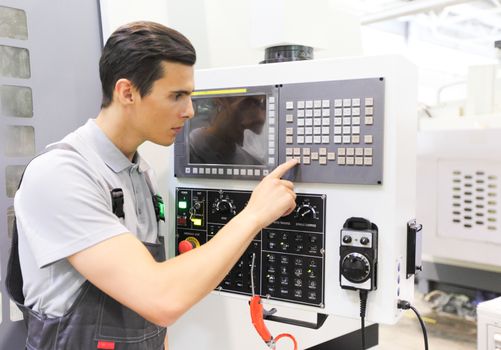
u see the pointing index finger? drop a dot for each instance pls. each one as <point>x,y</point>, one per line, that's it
<point>283,168</point>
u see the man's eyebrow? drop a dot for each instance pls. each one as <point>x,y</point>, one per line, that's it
<point>184,92</point>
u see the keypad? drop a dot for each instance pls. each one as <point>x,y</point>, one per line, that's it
<point>331,131</point>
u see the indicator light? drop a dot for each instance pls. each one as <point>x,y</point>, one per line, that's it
<point>196,221</point>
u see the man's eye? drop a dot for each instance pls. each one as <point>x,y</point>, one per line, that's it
<point>178,96</point>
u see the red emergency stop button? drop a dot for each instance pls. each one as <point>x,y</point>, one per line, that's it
<point>188,244</point>
<point>185,246</point>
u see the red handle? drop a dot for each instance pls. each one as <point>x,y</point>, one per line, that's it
<point>256,309</point>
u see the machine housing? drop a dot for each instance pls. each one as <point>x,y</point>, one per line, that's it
<point>385,197</point>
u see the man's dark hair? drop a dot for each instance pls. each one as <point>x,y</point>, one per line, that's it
<point>135,51</point>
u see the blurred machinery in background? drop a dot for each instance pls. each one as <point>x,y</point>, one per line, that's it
<point>458,188</point>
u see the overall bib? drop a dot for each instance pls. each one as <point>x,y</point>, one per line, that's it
<point>95,320</point>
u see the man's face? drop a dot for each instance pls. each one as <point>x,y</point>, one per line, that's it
<point>253,115</point>
<point>161,114</point>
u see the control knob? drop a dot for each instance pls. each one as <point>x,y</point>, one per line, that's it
<point>355,267</point>
<point>347,239</point>
<point>305,211</point>
<point>225,206</point>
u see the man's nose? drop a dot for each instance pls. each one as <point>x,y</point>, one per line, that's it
<point>190,111</point>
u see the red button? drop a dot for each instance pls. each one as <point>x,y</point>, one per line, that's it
<point>185,246</point>
<point>181,220</point>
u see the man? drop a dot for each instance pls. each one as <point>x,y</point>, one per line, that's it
<point>93,270</point>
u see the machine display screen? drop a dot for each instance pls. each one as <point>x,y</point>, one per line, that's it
<point>229,130</point>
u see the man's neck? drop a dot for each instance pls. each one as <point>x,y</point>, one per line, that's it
<point>115,126</point>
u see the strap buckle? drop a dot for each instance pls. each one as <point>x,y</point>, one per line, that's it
<point>159,205</point>
<point>117,201</point>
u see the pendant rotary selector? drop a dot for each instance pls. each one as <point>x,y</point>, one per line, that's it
<point>358,255</point>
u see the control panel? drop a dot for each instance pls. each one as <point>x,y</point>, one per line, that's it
<point>335,129</point>
<point>289,254</point>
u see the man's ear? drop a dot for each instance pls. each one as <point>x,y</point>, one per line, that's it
<point>125,93</point>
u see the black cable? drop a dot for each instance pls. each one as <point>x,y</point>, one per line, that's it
<point>405,305</point>
<point>363,307</point>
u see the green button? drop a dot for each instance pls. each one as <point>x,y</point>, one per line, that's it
<point>182,204</point>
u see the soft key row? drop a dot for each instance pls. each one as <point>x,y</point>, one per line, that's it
<point>345,156</point>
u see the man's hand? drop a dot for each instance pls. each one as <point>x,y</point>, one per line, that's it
<point>123,268</point>
<point>273,197</point>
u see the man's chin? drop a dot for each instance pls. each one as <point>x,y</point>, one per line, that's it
<point>164,142</point>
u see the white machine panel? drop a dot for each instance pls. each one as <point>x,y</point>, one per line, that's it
<point>489,325</point>
<point>388,203</point>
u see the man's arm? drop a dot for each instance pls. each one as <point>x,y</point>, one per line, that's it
<point>161,292</point>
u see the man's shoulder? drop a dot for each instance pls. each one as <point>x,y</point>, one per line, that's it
<point>59,167</point>
<point>57,159</point>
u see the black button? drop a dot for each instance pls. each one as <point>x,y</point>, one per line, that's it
<point>312,295</point>
<point>347,239</point>
<point>364,240</point>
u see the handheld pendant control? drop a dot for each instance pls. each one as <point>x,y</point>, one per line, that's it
<point>358,255</point>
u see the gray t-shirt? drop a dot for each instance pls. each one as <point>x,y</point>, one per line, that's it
<point>63,206</point>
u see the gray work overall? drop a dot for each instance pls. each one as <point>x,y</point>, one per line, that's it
<point>95,320</point>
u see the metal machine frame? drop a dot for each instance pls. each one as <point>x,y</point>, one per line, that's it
<point>222,317</point>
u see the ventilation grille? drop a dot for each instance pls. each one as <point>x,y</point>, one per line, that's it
<point>468,206</point>
<point>475,199</point>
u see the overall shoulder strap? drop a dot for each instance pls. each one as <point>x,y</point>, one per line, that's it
<point>14,277</point>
